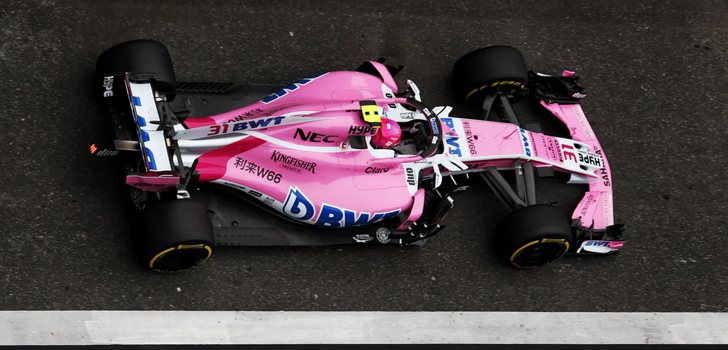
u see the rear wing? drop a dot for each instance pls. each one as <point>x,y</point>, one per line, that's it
<point>152,142</point>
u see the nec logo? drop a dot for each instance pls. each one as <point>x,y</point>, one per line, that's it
<point>313,136</point>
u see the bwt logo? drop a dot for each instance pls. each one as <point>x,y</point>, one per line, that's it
<point>452,142</point>
<point>145,136</point>
<point>290,88</point>
<point>244,125</point>
<point>298,206</point>
<point>453,146</point>
<point>526,144</point>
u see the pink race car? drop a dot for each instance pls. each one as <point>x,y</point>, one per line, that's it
<point>344,157</point>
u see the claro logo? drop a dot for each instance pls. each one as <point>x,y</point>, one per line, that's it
<point>375,170</point>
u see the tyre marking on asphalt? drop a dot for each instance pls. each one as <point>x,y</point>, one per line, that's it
<point>283,327</point>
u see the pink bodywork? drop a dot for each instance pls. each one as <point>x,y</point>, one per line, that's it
<point>308,171</point>
<point>152,182</point>
<point>595,209</point>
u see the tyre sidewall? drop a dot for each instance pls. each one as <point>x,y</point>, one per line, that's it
<point>139,56</point>
<point>487,70</point>
<point>531,224</point>
<point>173,225</point>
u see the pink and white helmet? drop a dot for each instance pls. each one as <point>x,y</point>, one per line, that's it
<point>388,135</point>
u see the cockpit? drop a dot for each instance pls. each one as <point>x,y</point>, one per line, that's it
<point>417,133</point>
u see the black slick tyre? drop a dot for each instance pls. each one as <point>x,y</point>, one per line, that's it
<point>489,70</point>
<point>533,236</point>
<point>139,57</point>
<point>176,235</point>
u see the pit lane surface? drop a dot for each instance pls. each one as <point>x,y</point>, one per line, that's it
<point>655,72</point>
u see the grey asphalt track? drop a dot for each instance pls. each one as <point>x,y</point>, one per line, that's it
<point>658,86</point>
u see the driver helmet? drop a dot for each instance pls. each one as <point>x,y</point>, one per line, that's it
<point>388,135</point>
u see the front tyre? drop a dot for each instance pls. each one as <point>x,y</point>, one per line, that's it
<point>177,236</point>
<point>533,236</point>
<point>487,71</point>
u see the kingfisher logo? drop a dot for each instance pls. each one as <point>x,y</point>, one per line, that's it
<point>288,89</point>
<point>298,206</point>
<point>526,141</point>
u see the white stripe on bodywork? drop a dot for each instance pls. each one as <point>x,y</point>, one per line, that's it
<point>286,144</point>
<point>208,131</point>
<point>193,148</point>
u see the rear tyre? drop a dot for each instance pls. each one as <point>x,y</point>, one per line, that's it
<point>139,56</point>
<point>487,71</point>
<point>533,236</point>
<point>177,235</point>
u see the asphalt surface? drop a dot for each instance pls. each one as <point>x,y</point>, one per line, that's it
<point>658,88</point>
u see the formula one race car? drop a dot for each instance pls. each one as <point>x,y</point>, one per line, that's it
<point>344,157</point>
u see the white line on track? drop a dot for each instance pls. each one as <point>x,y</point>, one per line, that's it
<point>284,327</point>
